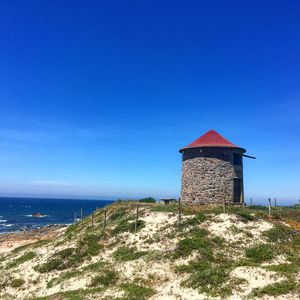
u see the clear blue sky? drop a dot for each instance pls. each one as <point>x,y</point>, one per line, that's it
<point>96,97</point>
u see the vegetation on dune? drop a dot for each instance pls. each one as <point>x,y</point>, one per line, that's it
<point>125,254</point>
<point>286,269</point>
<point>23,258</point>
<point>87,247</point>
<point>127,225</point>
<point>135,291</point>
<point>17,282</point>
<point>275,289</point>
<point>106,278</point>
<point>211,269</point>
<point>95,251</point>
<point>279,233</point>
<point>118,214</point>
<point>194,240</point>
<point>260,253</point>
<point>172,208</point>
<point>197,219</point>
<point>12,282</point>
<point>147,200</point>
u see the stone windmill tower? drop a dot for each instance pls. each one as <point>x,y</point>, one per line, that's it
<point>212,171</point>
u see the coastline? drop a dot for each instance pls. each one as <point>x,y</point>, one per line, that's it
<point>12,240</point>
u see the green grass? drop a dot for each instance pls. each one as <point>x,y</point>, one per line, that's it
<point>275,289</point>
<point>63,277</point>
<point>246,216</point>
<point>172,207</point>
<point>17,282</point>
<point>196,240</point>
<point>126,225</point>
<point>147,200</point>
<point>134,291</point>
<point>117,214</point>
<point>79,294</point>
<point>61,260</point>
<point>284,269</point>
<point>72,257</point>
<point>197,219</point>
<point>21,248</point>
<point>89,245</point>
<point>108,277</point>
<point>31,245</point>
<point>25,257</point>
<point>207,276</point>
<point>279,233</point>
<point>126,254</point>
<point>96,267</point>
<point>210,271</point>
<point>260,253</point>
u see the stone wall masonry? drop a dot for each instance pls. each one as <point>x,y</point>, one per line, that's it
<point>207,175</point>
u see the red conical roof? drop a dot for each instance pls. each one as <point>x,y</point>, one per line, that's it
<point>211,139</point>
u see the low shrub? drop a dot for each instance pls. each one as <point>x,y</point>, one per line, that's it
<point>208,277</point>
<point>147,200</point>
<point>89,245</point>
<point>125,254</point>
<point>118,214</point>
<point>259,253</point>
<point>71,257</point>
<point>196,240</point>
<point>96,267</point>
<point>246,216</point>
<point>17,282</point>
<point>134,291</point>
<point>126,225</point>
<point>278,233</point>
<point>275,289</point>
<point>25,257</point>
<point>107,278</point>
<point>286,269</point>
<point>62,277</point>
<point>200,217</point>
<point>172,207</point>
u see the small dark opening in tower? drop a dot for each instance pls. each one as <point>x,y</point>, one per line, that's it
<point>237,190</point>
<point>237,159</point>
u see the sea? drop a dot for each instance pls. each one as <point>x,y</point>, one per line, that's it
<point>17,214</point>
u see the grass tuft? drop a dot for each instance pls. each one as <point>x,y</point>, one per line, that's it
<point>17,282</point>
<point>126,225</point>
<point>278,233</point>
<point>275,289</point>
<point>20,260</point>
<point>135,291</point>
<point>107,278</point>
<point>196,240</point>
<point>126,254</point>
<point>259,253</point>
<point>72,257</point>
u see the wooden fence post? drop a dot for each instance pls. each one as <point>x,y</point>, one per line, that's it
<point>92,219</point>
<point>270,212</point>
<point>104,221</point>
<point>275,202</point>
<point>75,218</point>
<point>136,217</point>
<point>179,210</point>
